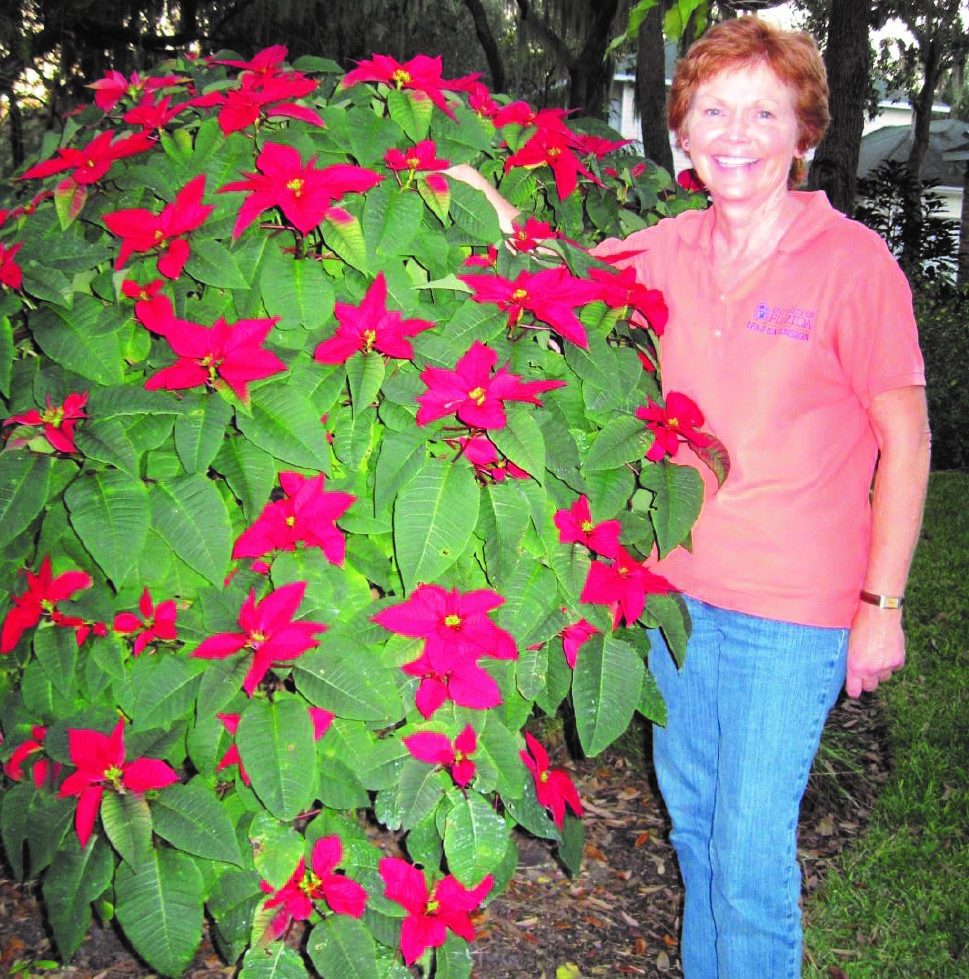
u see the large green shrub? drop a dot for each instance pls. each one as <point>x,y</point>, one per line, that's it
<point>303,516</point>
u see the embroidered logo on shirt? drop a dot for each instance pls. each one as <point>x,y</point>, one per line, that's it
<point>782,321</point>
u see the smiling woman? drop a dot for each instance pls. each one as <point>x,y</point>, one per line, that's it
<point>790,336</point>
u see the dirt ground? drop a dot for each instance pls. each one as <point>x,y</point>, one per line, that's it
<point>618,917</point>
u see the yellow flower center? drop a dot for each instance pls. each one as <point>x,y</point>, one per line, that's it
<point>159,236</point>
<point>554,153</point>
<point>401,77</point>
<point>53,416</point>
<point>295,185</point>
<point>519,294</point>
<point>290,521</point>
<point>478,395</point>
<point>452,621</point>
<point>369,339</point>
<point>587,526</point>
<point>672,422</point>
<point>309,883</point>
<point>432,906</point>
<point>413,162</point>
<point>113,777</point>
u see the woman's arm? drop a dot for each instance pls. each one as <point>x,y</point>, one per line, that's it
<point>876,647</point>
<point>506,211</point>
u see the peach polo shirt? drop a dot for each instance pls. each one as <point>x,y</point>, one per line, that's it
<point>783,366</point>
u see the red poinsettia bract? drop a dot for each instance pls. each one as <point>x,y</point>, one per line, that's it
<point>296,898</point>
<point>622,290</point>
<point>91,164</point>
<point>430,915</point>
<point>482,453</point>
<point>268,631</point>
<point>142,231</point>
<point>229,353</point>
<point>623,585</point>
<point>553,786</point>
<point>39,600</point>
<point>43,770</point>
<point>457,632</point>
<point>677,422</point>
<point>100,762</point>
<point>551,296</point>
<point>475,391</point>
<point>307,514</point>
<point>575,526</point>
<point>11,274</point>
<point>58,421</point>
<point>155,622</point>
<point>438,749</point>
<point>574,636</point>
<point>304,194</point>
<point>421,157</point>
<point>370,326</point>
<point>421,75</point>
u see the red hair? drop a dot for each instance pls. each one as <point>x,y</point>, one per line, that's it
<point>791,55</point>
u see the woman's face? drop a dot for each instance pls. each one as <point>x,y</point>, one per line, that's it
<point>741,134</point>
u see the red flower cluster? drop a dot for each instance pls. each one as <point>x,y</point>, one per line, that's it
<point>142,231</point>
<point>430,915</point>
<point>58,421</point>
<point>438,749</point>
<point>457,632</point>
<point>92,163</point>
<point>475,391</point>
<point>155,623</point>
<point>296,898</point>
<point>100,762</point>
<point>40,600</point>
<point>306,515</point>
<point>268,632</point>
<point>262,90</point>
<point>679,420</point>
<point>11,275</point>
<point>305,194</point>
<point>43,770</point>
<point>622,585</point>
<point>553,786</point>
<point>370,326</point>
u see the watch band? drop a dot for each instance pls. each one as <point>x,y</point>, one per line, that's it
<point>883,601</point>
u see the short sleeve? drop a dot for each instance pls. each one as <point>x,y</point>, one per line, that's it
<point>877,339</point>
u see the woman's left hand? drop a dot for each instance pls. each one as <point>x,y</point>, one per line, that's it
<point>876,648</point>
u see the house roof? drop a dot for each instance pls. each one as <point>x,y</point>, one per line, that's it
<point>947,137</point>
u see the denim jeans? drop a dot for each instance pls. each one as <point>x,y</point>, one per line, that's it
<point>745,719</point>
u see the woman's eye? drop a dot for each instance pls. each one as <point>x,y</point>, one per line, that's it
<point>711,112</point>
<point>765,114</point>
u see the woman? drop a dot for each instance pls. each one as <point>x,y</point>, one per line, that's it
<point>791,327</point>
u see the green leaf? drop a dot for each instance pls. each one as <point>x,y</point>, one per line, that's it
<point>275,742</point>
<point>190,515</point>
<point>6,355</point>
<point>127,824</point>
<point>606,685</point>
<point>23,490</point>
<point>673,618</point>
<point>522,442</point>
<point>621,440</point>
<point>83,340</point>
<point>473,214</point>
<point>401,455</point>
<point>475,839</point>
<point>285,423</point>
<point>276,848</point>
<point>164,690</point>
<point>250,472</point>
<point>275,961</point>
<point>365,373</point>
<point>416,794</point>
<point>391,219</point>
<point>212,263</point>
<point>191,819</point>
<point>159,906</point>
<point>201,430</point>
<point>110,441</point>
<point>434,518</point>
<point>342,233</point>
<point>572,846</point>
<point>350,682</point>
<point>298,292</point>
<point>110,512</point>
<point>453,959</point>
<point>73,881</point>
<point>502,522</point>
<point>651,704</point>
<point>412,111</point>
<point>56,651</point>
<point>342,948</point>
<point>677,498</point>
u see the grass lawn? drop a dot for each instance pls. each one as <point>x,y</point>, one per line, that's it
<point>899,904</point>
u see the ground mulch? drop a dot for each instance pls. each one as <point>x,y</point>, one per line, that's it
<point>618,917</point>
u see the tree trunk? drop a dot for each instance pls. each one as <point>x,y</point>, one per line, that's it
<point>591,72</point>
<point>488,44</point>
<point>834,168</point>
<point>651,89</point>
<point>912,202</point>
<point>962,276</point>
<point>16,119</point>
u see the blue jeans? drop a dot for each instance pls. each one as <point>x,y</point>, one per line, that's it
<point>745,719</point>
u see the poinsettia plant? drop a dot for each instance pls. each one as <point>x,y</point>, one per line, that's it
<point>315,488</point>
